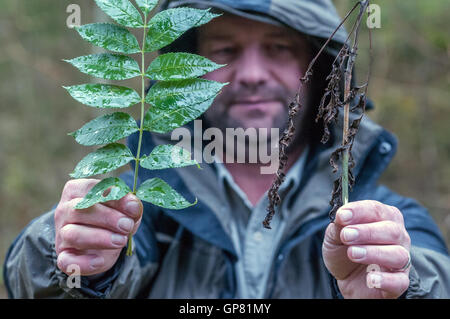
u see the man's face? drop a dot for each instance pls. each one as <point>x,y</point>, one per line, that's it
<point>264,66</point>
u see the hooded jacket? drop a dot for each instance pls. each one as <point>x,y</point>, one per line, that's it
<point>189,253</point>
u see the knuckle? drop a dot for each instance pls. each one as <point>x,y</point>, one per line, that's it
<point>397,214</point>
<point>378,210</point>
<point>61,262</point>
<point>396,231</point>
<point>404,255</point>
<point>407,239</point>
<point>70,186</point>
<point>64,212</point>
<point>59,214</point>
<point>77,187</point>
<point>69,235</point>
<point>404,282</point>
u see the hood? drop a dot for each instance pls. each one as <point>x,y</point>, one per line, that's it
<point>316,18</point>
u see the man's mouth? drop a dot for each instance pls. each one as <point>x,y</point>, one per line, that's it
<point>253,104</point>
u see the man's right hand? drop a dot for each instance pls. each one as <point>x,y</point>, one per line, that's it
<point>93,238</point>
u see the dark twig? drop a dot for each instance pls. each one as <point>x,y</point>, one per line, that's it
<point>328,110</point>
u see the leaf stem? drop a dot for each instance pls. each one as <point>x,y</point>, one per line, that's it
<point>141,129</point>
<point>347,89</point>
<point>348,80</point>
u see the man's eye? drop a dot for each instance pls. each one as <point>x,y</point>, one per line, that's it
<point>223,55</point>
<point>224,51</point>
<point>279,48</point>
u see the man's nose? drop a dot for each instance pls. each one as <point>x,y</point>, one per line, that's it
<point>252,69</point>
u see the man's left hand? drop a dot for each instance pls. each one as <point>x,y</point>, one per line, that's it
<point>367,250</point>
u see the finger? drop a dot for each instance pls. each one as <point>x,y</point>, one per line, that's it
<point>391,285</point>
<point>129,205</point>
<point>367,211</point>
<point>334,253</point>
<point>99,216</point>
<point>77,188</point>
<point>72,262</point>
<point>81,237</point>
<point>393,257</point>
<point>377,233</point>
<point>332,234</point>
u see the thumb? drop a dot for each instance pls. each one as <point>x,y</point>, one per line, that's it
<point>334,253</point>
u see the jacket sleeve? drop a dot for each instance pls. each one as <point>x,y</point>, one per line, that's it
<point>30,269</point>
<point>430,270</point>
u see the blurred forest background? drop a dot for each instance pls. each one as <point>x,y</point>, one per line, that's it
<point>409,85</point>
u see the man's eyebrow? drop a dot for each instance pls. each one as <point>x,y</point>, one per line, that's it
<point>216,37</point>
<point>279,34</point>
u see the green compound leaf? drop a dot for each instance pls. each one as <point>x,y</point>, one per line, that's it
<point>107,66</point>
<point>111,188</point>
<point>162,121</point>
<point>104,95</point>
<point>103,160</point>
<point>159,193</point>
<point>168,25</point>
<point>122,11</point>
<point>167,156</point>
<point>172,94</point>
<point>146,5</point>
<point>106,129</point>
<point>110,37</point>
<point>180,66</point>
<point>177,103</point>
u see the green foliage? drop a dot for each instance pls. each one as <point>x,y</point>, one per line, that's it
<point>178,97</point>
<point>179,66</point>
<point>107,66</point>
<point>159,193</point>
<point>104,95</point>
<point>111,188</point>
<point>168,25</point>
<point>175,103</point>
<point>122,11</point>
<point>167,156</point>
<point>106,129</point>
<point>110,37</point>
<point>146,5</point>
<point>103,160</point>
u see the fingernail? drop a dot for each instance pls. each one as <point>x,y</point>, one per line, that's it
<point>119,240</point>
<point>133,207</point>
<point>345,215</point>
<point>350,234</point>
<point>97,262</point>
<point>125,224</point>
<point>358,252</point>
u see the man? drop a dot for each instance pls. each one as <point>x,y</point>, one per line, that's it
<point>380,246</point>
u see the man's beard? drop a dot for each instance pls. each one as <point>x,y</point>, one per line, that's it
<point>218,116</point>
